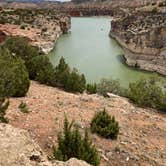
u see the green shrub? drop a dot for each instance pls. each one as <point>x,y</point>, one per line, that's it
<point>21,48</point>
<point>91,88</point>
<point>75,82</point>
<point>69,80</point>
<point>14,78</point>
<point>3,107</point>
<point>46,76</point>
<point>105,125</point>
<point>111,86</point>
<point>154,10</point>
<point>62,71</point>
<point>23,107</point>
<point>72,144</point>
<point>148,92</point>
<point>42,70</point>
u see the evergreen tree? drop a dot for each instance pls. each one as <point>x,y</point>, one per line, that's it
<point>91,88</point>
<point>62,72</point>
<point>21,48</point>
<point>105,125</point>
<point>69,80</point>
<point>75,82</point>
<point>72,144</point>
<point>14,78</point>
<point>42,70</point>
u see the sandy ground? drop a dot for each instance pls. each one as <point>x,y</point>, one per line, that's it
<point>142,138</point>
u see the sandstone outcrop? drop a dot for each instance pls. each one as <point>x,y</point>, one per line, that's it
<point>41,27</point>
<point>143,37</point>
<point>18,149</point>
<point>71,162</point>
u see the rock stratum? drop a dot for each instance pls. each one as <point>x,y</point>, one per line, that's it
<point>81,7</point>
<point>41,27</point>
<point>18,149</point>
<point>143,38</point>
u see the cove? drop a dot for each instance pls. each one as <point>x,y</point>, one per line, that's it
<point>89,49</point>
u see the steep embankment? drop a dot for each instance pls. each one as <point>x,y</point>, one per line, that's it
<point>41,27</point>
<point>142,131</point>
<point>143,37</point>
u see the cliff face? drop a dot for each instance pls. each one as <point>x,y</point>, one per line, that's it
<point>41,27</point>
<point>143,37</point>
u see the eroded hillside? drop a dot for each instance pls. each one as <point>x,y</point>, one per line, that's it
<point>142,131</point>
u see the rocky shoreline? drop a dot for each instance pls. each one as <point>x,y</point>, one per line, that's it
<point>142,35</point>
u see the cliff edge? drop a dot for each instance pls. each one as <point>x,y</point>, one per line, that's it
<point>143,38</point>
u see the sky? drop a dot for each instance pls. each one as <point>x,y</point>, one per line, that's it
<point>59,0</point>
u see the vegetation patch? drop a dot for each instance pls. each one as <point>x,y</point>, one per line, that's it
<point>72,144</point>
<point>23,107</point>
<point>105,125</point>
<point>40,68</point>
<point>149,92</point>
<point>20,47</point>
<point>111,86</point>
<point>14,78</point>
<point>69,79</point>
<point>91,88</point>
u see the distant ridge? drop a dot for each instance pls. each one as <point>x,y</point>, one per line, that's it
<point>32,1</point>
<point>21,0</point>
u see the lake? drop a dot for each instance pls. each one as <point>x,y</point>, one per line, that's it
<point>89,48</point>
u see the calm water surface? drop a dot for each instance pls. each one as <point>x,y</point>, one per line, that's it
<point>89,49</point>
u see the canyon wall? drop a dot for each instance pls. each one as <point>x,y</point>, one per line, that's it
<point>143,38</point>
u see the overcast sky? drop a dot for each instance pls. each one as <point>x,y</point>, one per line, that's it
<point>59,0</point>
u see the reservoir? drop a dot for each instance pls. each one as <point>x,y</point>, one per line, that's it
<point>89,48</point>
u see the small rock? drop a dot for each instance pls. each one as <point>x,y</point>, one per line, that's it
<point>109,155</point>
<point>127,159</point>
<point>35,156</point>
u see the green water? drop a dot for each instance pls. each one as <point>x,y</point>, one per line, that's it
<point>89,49</point>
